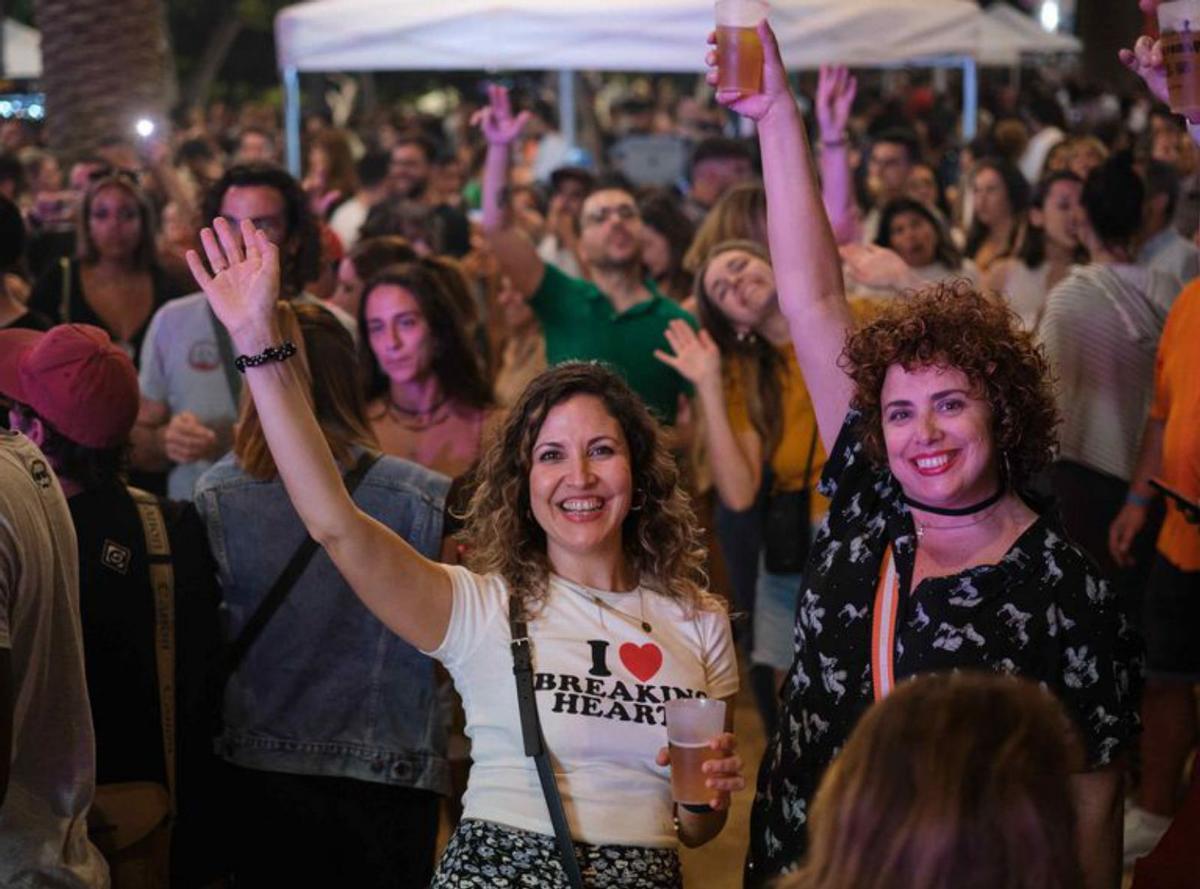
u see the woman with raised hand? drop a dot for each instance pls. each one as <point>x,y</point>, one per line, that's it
<point>935,416</point>
<point>756,411</point>
<point>582,534</point>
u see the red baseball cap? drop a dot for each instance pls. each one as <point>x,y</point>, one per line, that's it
<point>75,378</point>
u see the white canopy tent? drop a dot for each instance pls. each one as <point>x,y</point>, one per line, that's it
<point>607,35</point>
<point>1007,36</point>
<point>22,51</point>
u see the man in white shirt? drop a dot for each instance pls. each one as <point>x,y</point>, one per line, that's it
<point>1161,245</point>
<point>372,169</point>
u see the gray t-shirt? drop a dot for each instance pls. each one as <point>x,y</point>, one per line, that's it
<point>43,821</point>
<point>181,367</point>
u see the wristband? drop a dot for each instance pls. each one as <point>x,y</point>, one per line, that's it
<point>840,142</point>
<point>698,810</point>
<point>282,352</point>
<point>1137,499</point>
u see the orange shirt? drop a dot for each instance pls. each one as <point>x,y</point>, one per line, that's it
<point>1177,404</point>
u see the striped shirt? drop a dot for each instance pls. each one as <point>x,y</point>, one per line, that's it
<point>1100,329</point>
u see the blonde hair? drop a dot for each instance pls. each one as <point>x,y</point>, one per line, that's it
<point>325,363</point>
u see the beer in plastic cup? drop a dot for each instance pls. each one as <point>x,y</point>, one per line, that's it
<point>739,52</point>
<point>691,724</point>
<point>1179,29</point>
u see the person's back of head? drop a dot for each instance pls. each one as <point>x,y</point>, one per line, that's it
<point>1113,197</point>
<point>372,168</point>
<point>12,235</point>
<point>955,780</point>
<point>739,215</point>
<point>1162,191</point>
<point>326,363</point>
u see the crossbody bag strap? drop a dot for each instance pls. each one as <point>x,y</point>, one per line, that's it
<point>162,582</point>
<point>236,653</point>
<point>64,296</point>
<point>883,626</point>
<point>812,452</point>
<point>535,742</point>
<point>233,379</point>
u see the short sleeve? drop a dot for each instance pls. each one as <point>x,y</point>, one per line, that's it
<point>479,601</point>
<point>152,376</point>
<point>1160,406</point>
<point>1098,662</point>
<point>720,660</point>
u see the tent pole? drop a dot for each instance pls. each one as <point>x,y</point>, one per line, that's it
<point>291,118</point>
<point>566,107</point>
<point>970,98</point>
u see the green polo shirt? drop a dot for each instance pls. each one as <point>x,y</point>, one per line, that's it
<point>580,324</point>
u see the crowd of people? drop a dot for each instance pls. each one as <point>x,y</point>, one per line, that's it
<point>341,507</point>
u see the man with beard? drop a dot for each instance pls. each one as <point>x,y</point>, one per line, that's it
<point>619,316</point>
<point>412,165</point>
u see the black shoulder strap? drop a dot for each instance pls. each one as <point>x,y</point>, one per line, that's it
<point>236,653</point>
<point>535,743</point>
<point>233,379</point>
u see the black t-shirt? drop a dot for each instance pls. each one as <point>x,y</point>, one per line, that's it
<point>1042,612</point>
<point>29,321</point>
<point>117,611</point>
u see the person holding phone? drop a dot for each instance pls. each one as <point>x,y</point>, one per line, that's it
<point>935,416</point>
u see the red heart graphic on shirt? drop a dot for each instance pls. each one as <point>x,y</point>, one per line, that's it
<point>643,661</point>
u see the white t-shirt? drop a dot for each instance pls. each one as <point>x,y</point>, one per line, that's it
<point>347,220</point>
<point>43,820</point>
<point>600,683</point>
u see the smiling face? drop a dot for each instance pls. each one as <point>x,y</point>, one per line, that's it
<point>741,286</point>
<point>938,435</point>
<point>399,334</point>
<point>580,482</point>
<point>914,238</point>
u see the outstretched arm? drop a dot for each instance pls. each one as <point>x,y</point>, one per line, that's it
<point>808,273</point>
<point>406,591</point>
<point>517,256</point>
<point>836,89</point>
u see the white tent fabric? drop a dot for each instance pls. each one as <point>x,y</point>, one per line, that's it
<point>1008,35</point>
<point>22,51</point>
<point>606,35</point>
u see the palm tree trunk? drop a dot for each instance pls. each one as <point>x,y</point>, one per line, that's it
<point>106,63</point>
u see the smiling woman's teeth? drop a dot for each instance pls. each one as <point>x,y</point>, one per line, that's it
<point>583,504</point>
<point>933,462</point>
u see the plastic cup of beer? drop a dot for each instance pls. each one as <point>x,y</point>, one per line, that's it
<point>691,724</point>
<point>739,51</point>
<point>1179,29</point>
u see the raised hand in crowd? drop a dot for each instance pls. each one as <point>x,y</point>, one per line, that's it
<point>496,120</point>
<point>836,89</point>
<point>694,356</point>
<point>808,272</point>
<point>1145,60</point>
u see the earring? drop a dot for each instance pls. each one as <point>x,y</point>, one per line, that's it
<point>638,507</point>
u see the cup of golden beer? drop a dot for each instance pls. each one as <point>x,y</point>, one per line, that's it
<point>1179,29</point>
<point>739,51</point>
<point>691,724</point>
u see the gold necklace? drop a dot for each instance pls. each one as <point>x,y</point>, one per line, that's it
<point>641,623</point>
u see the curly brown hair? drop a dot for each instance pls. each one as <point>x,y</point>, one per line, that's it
<point>661,540</point>
<point>954,325</point>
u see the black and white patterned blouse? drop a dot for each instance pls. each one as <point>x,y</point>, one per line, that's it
<point>1042,612</point>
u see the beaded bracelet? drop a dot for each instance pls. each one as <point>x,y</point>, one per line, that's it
<point>282,352</point>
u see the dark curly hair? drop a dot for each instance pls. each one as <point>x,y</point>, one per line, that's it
<point>954,325</point>
<point>660,539</point>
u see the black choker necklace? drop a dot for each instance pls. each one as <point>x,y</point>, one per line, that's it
<point>965,510</point>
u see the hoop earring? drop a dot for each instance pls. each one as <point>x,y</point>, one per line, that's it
<point>638,507</point>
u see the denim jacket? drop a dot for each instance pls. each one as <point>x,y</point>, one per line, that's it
<point>326,689</point>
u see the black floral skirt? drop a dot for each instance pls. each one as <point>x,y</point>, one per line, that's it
<point>484,854</point>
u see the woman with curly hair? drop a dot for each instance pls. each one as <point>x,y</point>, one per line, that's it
<point>583,546</point>
<point>935,415</point>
